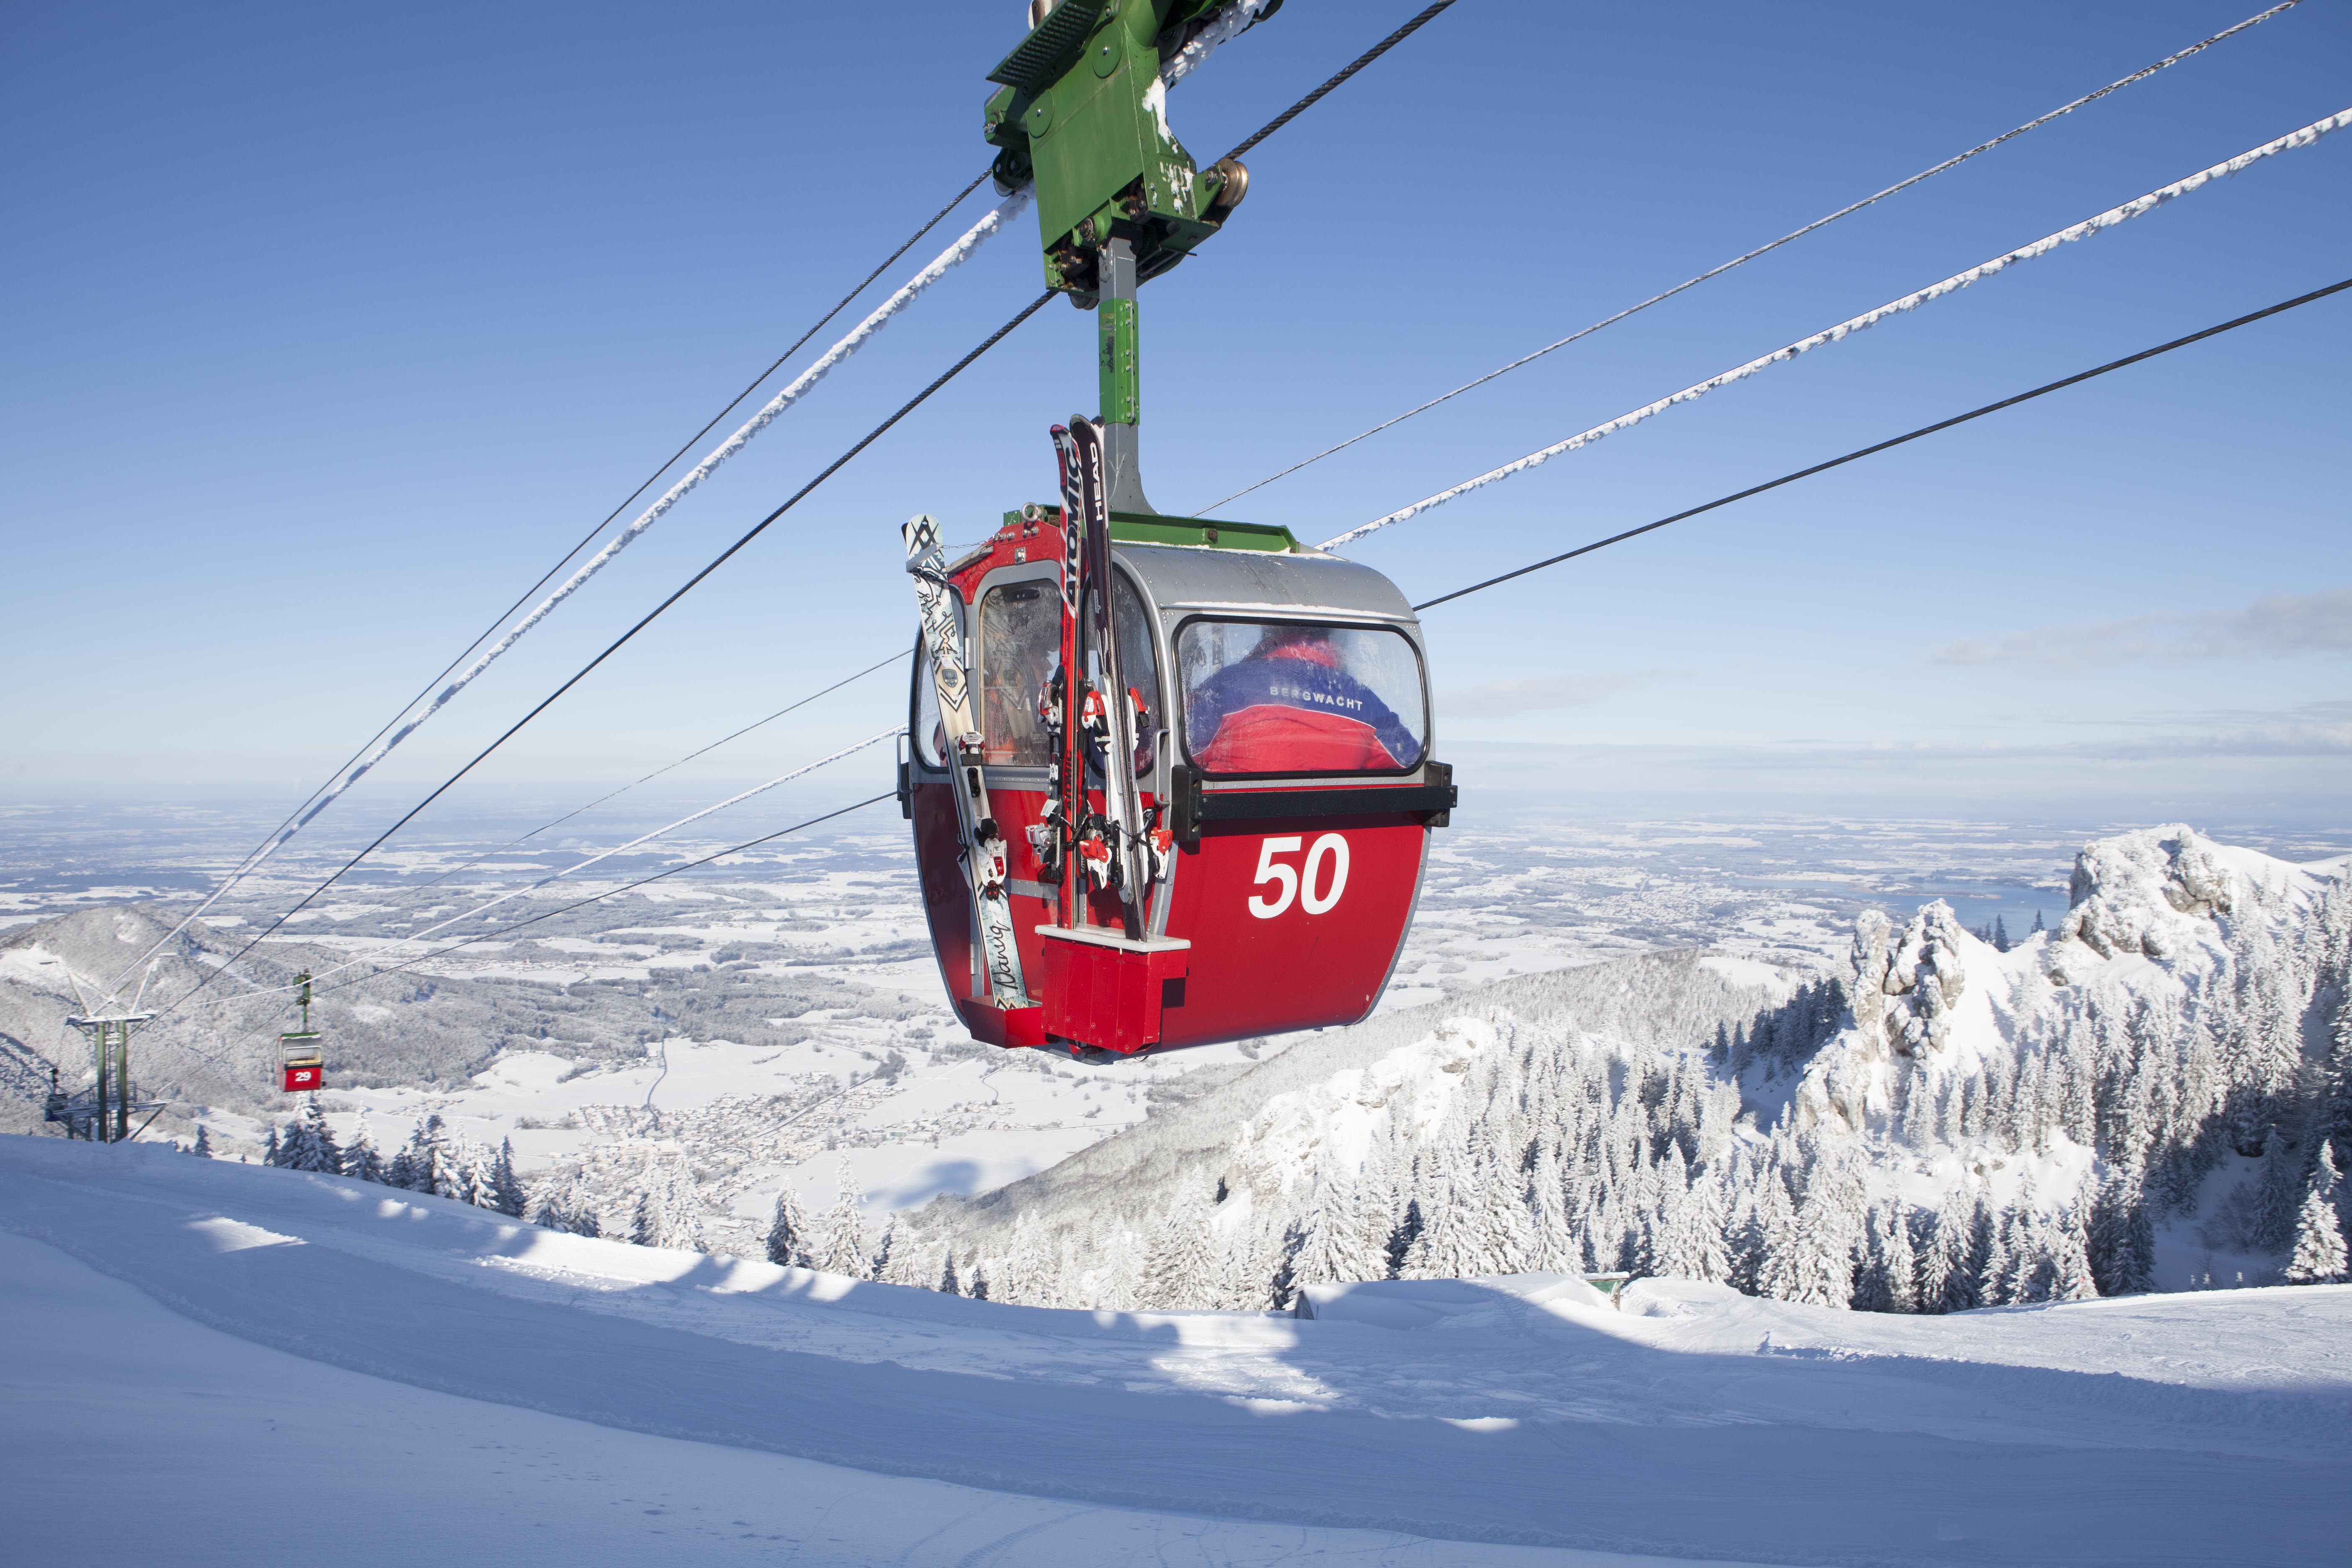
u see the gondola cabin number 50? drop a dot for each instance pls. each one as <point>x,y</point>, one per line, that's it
<point>1315,886</point>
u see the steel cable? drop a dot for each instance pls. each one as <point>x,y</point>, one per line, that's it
<point>260,850</point>
<point>650,616</point>
<point>1716,271</point>
<point>1359,63</point>
<point>1895,441</point>
<point>613,893</point>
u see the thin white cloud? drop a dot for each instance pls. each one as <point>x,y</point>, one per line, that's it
<point>1537,693</point>
<point>2280,626</point>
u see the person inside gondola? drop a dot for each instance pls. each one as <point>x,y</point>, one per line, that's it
<point>1293,706</point>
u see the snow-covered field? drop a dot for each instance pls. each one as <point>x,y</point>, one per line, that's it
<point>833,919</point>
<point>218,1363</point>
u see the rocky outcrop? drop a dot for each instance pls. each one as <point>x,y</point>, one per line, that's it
<point>1906,985</point>
<point>2150,894</point>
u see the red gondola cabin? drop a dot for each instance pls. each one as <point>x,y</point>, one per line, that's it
<point>1283,736</point>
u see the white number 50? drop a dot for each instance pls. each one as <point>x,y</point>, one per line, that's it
<point>1330,846</point>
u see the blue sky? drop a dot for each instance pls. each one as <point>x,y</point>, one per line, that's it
<point>330,326</point>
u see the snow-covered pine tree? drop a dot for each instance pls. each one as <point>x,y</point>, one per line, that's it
<point>641,1222</point>
<point>2122,1240</point>
<point>422,1154</point>
<point>1502,1228</point>
<point>1448,1247</point>
<point>359,1157</point>
<point>2319,1252</point>
<point>1873,1282</point>
<point>1337,1246</point>
<point>1015,1273</point>
<point>507,1193</point>
<point>2281,1187</point>
<point>2337,1109</point>
<point>1780,1274</point>
<point>455,1173</point>
<point>844,1251</point>
<point>949,1284</point>
<point>878,1266</point>
<point>203,1147</point>
<point>1902,1261</point>
<point>1829,1221</point>
<point>1974,1099</point>
<point>546,1209</point>
<point>269,1149</point>
<point>1403,1237</point>
<point>2033,1112</point>
<point>1282,1290</point>
<point>1556,1249</point>
<point>474,1177</point>
<point>2032,1268</point>
<point>1183,1269</point>
<point>1695,1248</point>
<point>789,1236</point>
<point>2070,1258</point>
<point>1935,1252</point>
<point>309,1143</point>
<point>568,1205</point>
<point>674,1217</point>
<point>1988,1265</point>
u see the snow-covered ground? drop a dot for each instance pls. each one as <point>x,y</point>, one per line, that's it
<point>832,917</point>
<point>217,1361</point>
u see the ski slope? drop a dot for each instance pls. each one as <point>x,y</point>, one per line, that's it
<point>404,1374</point>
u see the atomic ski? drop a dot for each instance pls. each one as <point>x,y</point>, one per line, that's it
<point>982,843</point>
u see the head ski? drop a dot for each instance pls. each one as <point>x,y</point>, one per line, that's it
<point>981,842</point>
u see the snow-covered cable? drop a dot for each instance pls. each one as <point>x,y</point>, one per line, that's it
<point>1907,436</point>
<point>648,618</point>
<point>665,767</point>
<point>254,857</point>
<point>995,218</point>
<point>640,840</point>
<point>2134,208</point>
<point>1951,162</point>
<point>615,893</point>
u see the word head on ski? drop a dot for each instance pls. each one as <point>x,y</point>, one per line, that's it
<point>983,843</point>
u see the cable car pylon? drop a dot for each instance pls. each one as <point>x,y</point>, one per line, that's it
<point>1215,743</point>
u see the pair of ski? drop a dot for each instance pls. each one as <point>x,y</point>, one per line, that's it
<point>1113,849</point>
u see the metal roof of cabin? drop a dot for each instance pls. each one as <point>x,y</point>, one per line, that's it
<point>1189,580</point>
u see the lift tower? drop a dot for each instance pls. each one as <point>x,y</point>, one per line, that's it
<point>105,1115</point>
